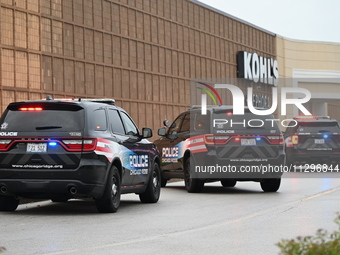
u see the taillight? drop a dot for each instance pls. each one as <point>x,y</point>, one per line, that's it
<point>80,144</point>
<point>209,139</point>
<point>216,139</point>
<point>221,139</point>
<point>89,144</point>
<point>275,139</point>
<point>4,144</point>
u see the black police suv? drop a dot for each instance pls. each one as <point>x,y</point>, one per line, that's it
<point>313,140</point>
<point>63,149</point>
<point>220,146</point>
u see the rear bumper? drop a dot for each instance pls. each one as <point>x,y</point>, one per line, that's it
<point>312,157</point>
<point>87,180</point>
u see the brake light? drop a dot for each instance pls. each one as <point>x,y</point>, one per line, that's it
<point>306,117</point>
<point>216,139</point>
<point>80,144</point>
<point>4,144</point>
<point>275,139</point>
<point>30,109</point>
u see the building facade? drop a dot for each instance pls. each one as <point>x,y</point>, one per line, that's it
<point>314,66</point>
<point>143,53</point>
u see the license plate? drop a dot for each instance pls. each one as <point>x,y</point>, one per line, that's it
<point>36,147</point>
<point>247,142</point>
<point>319,141</point>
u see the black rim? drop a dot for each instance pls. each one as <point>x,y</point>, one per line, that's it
<point>155,181</point>
<point>115,189</point>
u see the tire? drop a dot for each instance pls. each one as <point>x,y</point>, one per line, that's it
<point>228,183</point>
<point>59,200</point>
<point>110,200</point>
<point>270,185</point>
<point>8,203</point>
<point>163,182</point>
<point>153,190</point>
<point>192,185</point>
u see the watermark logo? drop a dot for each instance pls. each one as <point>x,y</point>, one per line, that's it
<point>204,96</point>
<point>239,99</point>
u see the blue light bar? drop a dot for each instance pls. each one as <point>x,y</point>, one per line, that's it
<point>52,143</point>
<point>325,136</point>
<point>258,138</point>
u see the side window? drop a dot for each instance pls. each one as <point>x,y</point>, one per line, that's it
<point>291,130</point>
<point>130,128</point>
<point>174,128</point>
<point>201,122</point>
<point>186,124</point>
<point>100,123</point>
<point>116,122</point>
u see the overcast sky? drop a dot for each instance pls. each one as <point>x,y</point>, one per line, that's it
<point>312,20</point>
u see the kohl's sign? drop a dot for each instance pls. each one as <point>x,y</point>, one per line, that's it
<point>253,67</point>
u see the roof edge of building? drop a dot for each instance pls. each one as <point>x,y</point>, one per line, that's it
<point>307,41</point>
<point>231,16</point>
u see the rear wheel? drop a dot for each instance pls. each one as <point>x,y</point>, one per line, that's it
<point>270,185</point>
<point>110,200</point>
<point>153,190</point>
<point>60,199</point>
<point>192,185</point>
<point>228,183</point>
<point>8,203</point>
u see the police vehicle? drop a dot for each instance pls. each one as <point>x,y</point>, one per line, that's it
<point>220,146</point>
<point>63,149</point>
<point>313,140</point>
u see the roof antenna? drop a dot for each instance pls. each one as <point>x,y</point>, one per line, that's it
<point>49,97</point>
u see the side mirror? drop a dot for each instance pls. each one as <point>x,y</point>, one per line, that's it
<point>162,131</point>
<point>166,122</point>
<point>146,132</point>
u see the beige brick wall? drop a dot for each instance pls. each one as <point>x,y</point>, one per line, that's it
<point>143,53</point>
<point>322,58</point>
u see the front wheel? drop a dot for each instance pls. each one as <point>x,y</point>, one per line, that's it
<point>192,185</point>
<point>110,200</point>
<point>270,185</point>
<point>153,190</point>
<point>8,203</point>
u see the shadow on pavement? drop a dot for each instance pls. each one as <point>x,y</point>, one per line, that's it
<point>71,207</point>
